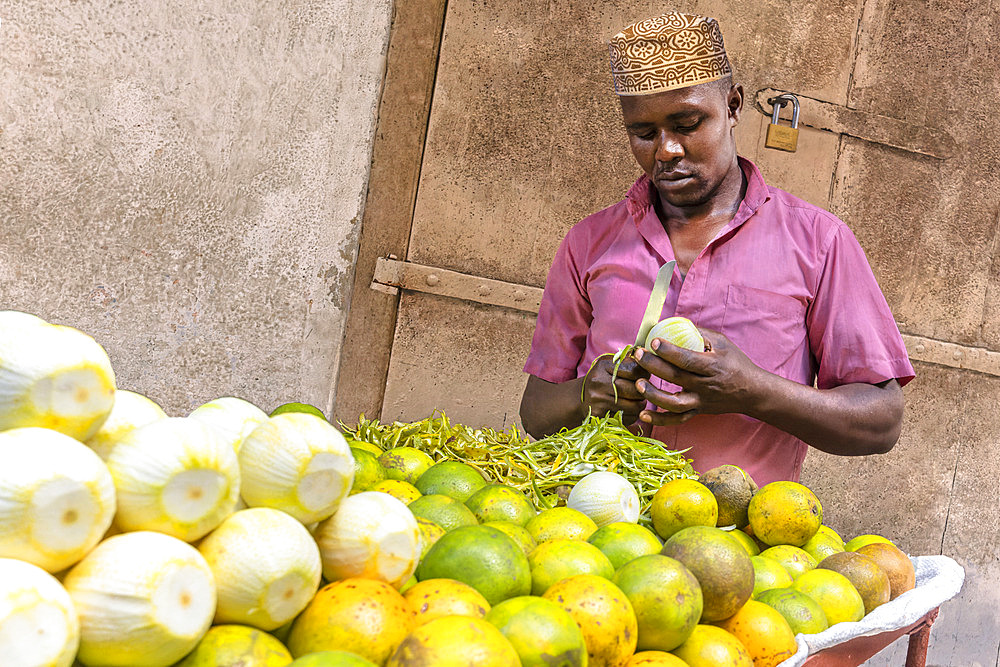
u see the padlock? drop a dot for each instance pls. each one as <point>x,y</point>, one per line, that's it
<point>783,137</point>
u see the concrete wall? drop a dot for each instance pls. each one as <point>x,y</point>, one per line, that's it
<point>185,180</point>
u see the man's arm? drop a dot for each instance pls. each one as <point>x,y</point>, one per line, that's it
<point>547,407</point>
<point>850,420</point>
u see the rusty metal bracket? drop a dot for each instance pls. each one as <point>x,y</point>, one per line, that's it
<point>884,130</point>
<point>393,273</point>
<point>953,355</point>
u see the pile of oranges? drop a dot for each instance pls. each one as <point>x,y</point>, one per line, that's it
<point>727,574</point>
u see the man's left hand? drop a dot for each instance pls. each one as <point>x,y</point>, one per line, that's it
<point>720,380</point>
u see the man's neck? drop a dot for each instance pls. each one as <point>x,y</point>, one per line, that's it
<point>692,228</point>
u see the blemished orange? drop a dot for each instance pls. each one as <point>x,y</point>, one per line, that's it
<point>604,614</point>
<point>405,463</point>
<point>867,576</point>
<point>793,559</point>
<point>363,616</point>
<point>681,503</point>
<point>711,646</point>
<point>434,598</point>
<point>721,565</point>
<point>402,491</point>
<point>896,564</point>
<point>764,633</point>
<point>655,659</point>
<point>785,513</point>
<point>455,641</point>
<point>498,502</point>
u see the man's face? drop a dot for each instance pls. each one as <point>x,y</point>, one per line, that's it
<point>685,139</point>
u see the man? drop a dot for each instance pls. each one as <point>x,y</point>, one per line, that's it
<point>801,346</point>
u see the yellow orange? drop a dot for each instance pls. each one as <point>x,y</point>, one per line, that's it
<point>363,616</point>
<point>604,614</point>
<point>681,503</point>
<point>764,633</point>
<point>711,646</point>
<point>434,598</point>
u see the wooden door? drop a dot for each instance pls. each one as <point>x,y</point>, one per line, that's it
<point>497,137</point>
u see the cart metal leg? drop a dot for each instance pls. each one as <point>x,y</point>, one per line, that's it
<point>916,650</point>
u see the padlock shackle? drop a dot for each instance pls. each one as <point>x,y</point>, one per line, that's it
<point>780,101</point>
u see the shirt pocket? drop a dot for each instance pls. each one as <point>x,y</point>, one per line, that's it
<point>769,327</point>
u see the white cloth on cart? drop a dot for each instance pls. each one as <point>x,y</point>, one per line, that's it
<point>939,578</point>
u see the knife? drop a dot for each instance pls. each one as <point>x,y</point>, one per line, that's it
<point>654,308</point>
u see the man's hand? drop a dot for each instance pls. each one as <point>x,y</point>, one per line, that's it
<point>599,392</point>
<point>853,419</point>
<point>718,381</point>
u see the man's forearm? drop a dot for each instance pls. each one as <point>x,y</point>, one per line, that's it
<point>547,407</point>
<point>850,420</point>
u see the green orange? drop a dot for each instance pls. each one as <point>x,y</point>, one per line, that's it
<point>803,614</point>
<point>298,407</point>
<point>554,560</point>
<point>367,470</point>
<point>793,559</point>
<point>859,541</point>
<point>834,593</point>
<point>405,463</point>
<point>517,533</point>
<point>482,557</point>
<point>542,632</point>
<point>451,478</point>
<point>767,574</point>
<point>721,565</point>
<point>666,598</point>
<point>443,510</point>
<point>622,542</point>
<point>498,502</point>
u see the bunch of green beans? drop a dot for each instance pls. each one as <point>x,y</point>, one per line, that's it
<point>539,468</point>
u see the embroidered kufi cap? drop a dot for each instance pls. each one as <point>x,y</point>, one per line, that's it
<point>668,52</point>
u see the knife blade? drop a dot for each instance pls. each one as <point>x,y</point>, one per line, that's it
<point>654,307</point>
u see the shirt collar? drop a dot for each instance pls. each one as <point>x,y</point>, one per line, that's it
<point>640,196</point>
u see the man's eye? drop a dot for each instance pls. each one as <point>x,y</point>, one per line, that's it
<point>689,128</point>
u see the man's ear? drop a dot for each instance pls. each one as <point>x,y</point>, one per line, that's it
<point>734,102</point>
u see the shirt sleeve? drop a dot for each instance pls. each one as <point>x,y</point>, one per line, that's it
<point>852,333</point>
<point>564,319</point>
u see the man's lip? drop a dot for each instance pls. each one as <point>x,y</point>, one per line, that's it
<point>672,176</point>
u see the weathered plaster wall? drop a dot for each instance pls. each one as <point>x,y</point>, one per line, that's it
<point>185,181</point>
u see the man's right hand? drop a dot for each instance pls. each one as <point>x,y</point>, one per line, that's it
<point>599,392</point>
<point>547,406</point>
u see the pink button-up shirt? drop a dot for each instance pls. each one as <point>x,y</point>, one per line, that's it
<point>785,280</point>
